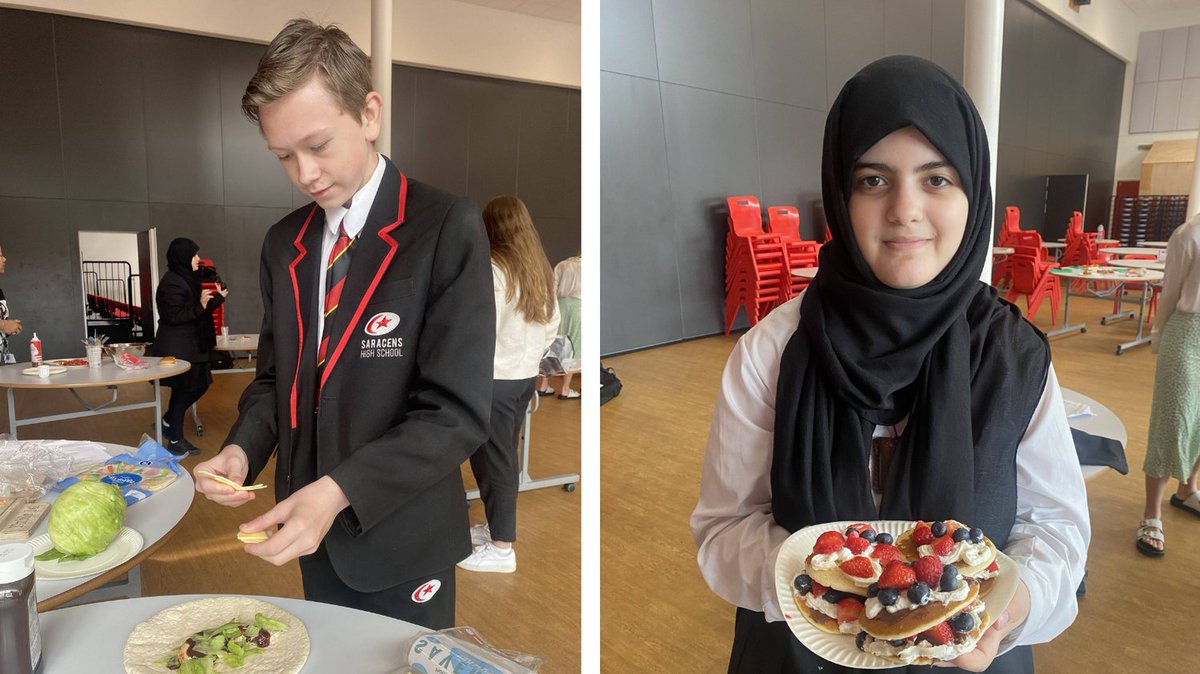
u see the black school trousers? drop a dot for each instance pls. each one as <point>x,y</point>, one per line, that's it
<point>495,465</point>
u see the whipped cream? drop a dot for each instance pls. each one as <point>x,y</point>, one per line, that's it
<point>830,560</point>
<point>985,574</point>
<point>821,606</point>
<point>912,650</point>
<point>874,606</point>
<point>970,553</point>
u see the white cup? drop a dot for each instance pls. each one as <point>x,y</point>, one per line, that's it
<point>93,355</point>
<point>44,371</point>
<point>225,331</point>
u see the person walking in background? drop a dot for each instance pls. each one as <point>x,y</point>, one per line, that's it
<point>8,326</point>
<point>527,320</point>
<point>185,330</point>
<point>1173,447</point>
<point>567,279</point>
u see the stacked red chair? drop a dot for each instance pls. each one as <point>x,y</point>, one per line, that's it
<point>785,221</point>
<point>757,276</point>
<point>1031,275</point>
<point>1002,271</point>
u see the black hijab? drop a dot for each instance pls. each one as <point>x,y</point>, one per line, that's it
<point>179,260</point>
<point>965,368</point>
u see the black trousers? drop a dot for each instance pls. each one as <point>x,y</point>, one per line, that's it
<point>762,647</point>
<point>181,400</point>
<point>495,465</point>
<point>426,601</point>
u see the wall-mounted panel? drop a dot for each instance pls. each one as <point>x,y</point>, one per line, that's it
<point>31,158</point>
<point>854,37</point>
<point>443,113</point>
<point>909,25</point>
<point>789,141</point>
<point>250,173</point>
<point>627,38</point>
<point>705,44</point>
<point>789,51</point>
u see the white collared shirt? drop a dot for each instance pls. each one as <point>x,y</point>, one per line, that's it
<point>353,219</point>
<point>738,538</point>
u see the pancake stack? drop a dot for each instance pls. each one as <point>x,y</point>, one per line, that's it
<point>900,604</point>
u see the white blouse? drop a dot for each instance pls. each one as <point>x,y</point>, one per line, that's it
<point>520,343</point>
<point>738,538</point>
<point>1181,280</point>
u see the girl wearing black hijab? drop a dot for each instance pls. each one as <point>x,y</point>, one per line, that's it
<point>896,344</point>
<point>185,330</point>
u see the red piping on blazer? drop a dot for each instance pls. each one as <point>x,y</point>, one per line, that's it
<point>362,304</point>
<point>296,294</point>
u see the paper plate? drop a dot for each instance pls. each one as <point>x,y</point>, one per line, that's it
<point>68,362</point>
<point>839,648</point>
<point>127,544</point>
<point>54,369</point>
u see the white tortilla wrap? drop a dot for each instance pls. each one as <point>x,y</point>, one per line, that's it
<point>154,639</point>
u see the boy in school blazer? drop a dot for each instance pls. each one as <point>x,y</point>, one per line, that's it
<point>369,444</point>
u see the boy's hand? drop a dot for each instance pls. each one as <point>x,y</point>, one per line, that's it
<point>986,648</point>
<point>305,515</point>
<point>10,327</point>
<point>233,464</point>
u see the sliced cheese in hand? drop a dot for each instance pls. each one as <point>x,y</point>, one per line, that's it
<point>230,483</point>
<point>252,536</point>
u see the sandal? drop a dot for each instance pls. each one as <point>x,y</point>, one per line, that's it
<point>572,394</point>
<point>1190,504</point>
<point>548,391</point>
<point>1150,528</point>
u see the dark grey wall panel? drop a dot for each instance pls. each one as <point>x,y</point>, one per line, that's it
<point>240,269</point>
<point>949,21</point>
<point>41,280</point>
<point>640,301</point>
<point>854,37</point>
<point>789,141</point>
<point>627,38</point>
<point>250,174</point>
<point>789,51</point>
<point>543,166</point>
<point>102,99</point>
<point>909,27</point>
<point>203,224</point>
<point>404,106</point>
<point>31,162</point>
<point>181,74</point>
<point>705,44</point>
<point>495,142</point>
<point>712,151</point>
<point>443,114</point>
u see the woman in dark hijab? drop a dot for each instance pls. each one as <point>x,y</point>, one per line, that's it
<point>185,330</point>
<point>898,387</point>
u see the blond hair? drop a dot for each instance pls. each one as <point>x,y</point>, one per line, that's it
<point>301,50</point>
<point>517,249</point>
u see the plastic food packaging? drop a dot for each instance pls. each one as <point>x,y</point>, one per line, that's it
<point>139,475</point>
<point>462,649</point>
<point>29,467</point>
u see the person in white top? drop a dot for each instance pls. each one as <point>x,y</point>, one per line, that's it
<point>567,278</point>
<point>898,386</point>
<point>526,322</point>
<point>1173,448</point>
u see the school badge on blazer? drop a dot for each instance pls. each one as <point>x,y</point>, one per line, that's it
<point>377,345</point>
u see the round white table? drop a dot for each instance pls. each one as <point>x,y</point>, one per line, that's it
<point>1003,250</point>
<point>1153,244</point>
<point>92,638</point>
<point>108,375</point>
<point>805,272</point>
<point>1126,250</point>
<point>1103,422</point>
<point>1117,275</point>
<point>1139,264</point>
<point>233,344</point>
<point>155,518</point>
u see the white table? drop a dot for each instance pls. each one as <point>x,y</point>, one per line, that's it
<point>154,518</point>
<point>92,638</point>
<point>1112,275</point>
<point>233,344</point>
<point>1103,423</point>
<point>1153,244</point>
<point>1139,264</point>
<point>1127,250</point>
<point>805,272</point>
<point>1003,250</point>
<point>108,375</point>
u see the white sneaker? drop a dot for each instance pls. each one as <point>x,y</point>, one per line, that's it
<point>480,534</point>
<point>490,559</point>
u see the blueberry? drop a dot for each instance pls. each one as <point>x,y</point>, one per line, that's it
<point>803,583</point>
<point>849,530</point>
<point>976,535</point>
<point>919,593</point>
<point>949,581</point>
<point>938,528</point>
<point>961,623</point>
<point>898,643</point>
<point>868,534</point>
<point>884,538</point>
<point>834,596</point>
<point>888,596</point>
<point>860,640</point>
<point>961,535</point>
<point>873,590</point>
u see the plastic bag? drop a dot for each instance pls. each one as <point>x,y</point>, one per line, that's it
<point>29,467</point>
<point>139,475</point>
<point>462,649</point>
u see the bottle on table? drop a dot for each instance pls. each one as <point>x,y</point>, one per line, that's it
<point>35,351</point>
<point>20,637</point>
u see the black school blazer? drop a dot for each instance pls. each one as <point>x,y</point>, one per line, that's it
<point>405,395</point>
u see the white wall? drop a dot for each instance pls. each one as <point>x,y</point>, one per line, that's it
<point>441,34</point>
<point>111,246</point>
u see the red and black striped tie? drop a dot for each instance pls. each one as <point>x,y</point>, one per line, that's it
<point>335,280</point>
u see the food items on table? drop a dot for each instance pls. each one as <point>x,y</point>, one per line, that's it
<point>252,536</point>
<point>167,360</point>
<point>69,362</point>
<point>218,634</point>
<point>230,483</point>
<point>84,519</point>
<point>130,362</point>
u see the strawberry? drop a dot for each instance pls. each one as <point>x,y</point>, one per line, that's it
<point>830,541</point>
<point>929,569</point>
<point>993,567</point>
<point>898,575</point>
<point>849,609</point>
<point>885,553</point>
<point>818,590</point>
<point>857,544</point>
<point>859,567</point>
<point>937,635</point>
<point>944,545</point>
<point>922,535</point>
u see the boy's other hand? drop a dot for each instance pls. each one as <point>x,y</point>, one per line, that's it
<point>233,464</point>
<point>305,517</point>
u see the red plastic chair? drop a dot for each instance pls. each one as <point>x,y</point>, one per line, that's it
<point>785,221</point>
<point>757,276</point>
<point>1031,277</point>
<point>1011,226</point>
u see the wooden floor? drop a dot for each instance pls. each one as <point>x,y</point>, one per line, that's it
<point>535,610</point>
<point>655,604</point>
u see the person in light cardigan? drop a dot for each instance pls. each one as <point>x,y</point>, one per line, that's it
<point>526,322</point>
